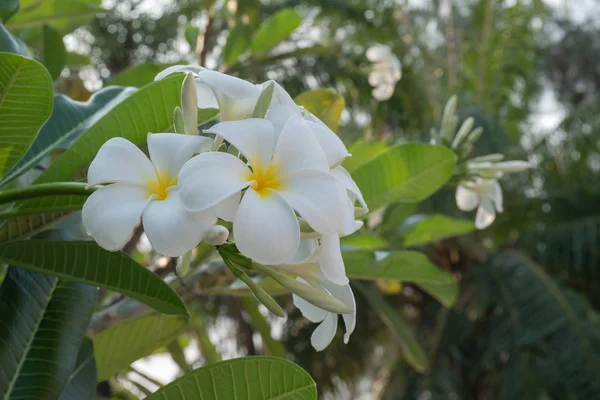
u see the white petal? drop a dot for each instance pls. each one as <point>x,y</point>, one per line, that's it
<point>279,114</point>
<point>169,151</point>
<point>324,333</point>
<point>343,176</point>
<point>111,212</point>
<point>119,160</point>
<point>280,96</point>
<point>466,199</point>
<point>344,294</point>
<point>206,96</point>
<point>171,229</point>
<point>331,144</point>
<point>177,68</point>
<point>496,196</point>
<point>315,196</point>
<point>228,85</point>
<point>209,178</point>
<point>297,148</point>
<point>308,310</point>
<point>306,249</point>
<point>486,214</point>
<point>331,262</point>
<point>253,137</point>
<point>266,229</point>
<point>227,208</point>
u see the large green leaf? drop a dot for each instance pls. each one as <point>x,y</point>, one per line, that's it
<point>237,42</point>
<point>121,344</point>
<point>70,118</point>
<point>406,172</point>
<point>88,263</point>
<point>274,30</point>
<point>25,105</point>
<point>7,9</point>
<point>242,378</point>
<point>405,266</point>
<point>58,13</point>
<point>44,320</point>
<point>138,75</point>
<point>325,104</point>
<point>150,109</point>
<point>362,151</point>
<point>445,293</point>
<point>411,349</point>
<point>52,51</point>
<point>11,44</point>
<point>82,381</point>
<point>436,227</point>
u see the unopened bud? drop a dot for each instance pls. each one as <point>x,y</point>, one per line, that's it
<point>463,132</point>
<point>217,235</point>
<point>489,157</point>
<point>512,166</point>
<point>189,104</point>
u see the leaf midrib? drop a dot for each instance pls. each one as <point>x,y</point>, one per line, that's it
<point>11,82</point>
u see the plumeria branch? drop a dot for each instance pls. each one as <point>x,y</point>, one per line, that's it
<point>46,189</point>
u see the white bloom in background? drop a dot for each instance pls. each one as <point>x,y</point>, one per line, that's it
<point>483,194</point>
<point>146,187</point>
<point>386,71</point>
<point>308,271</point>
<point>286,172</point>
<point>499,167</point>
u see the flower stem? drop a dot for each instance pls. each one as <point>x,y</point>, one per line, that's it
<point>46,189</point>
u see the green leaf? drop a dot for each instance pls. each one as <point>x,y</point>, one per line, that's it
<point>238,288</point>
<point>411,349</point>
<point>11,44</point>
<point>242,378</point>
<point>363,241</point>
<point>7,9</point>
<point>445,293</point>
<point>122,344</point>
<point>362,151</point>
<point>394,216</point>
<point>70,118</point>
<point>206,114</point>
<point>436,227</point>
<point>52,51</point>
<point>25,105</point>
<point>237,42</point>
<point>274,30</point>
<point>405,172</point>
<point>58,13</point>
<point>82,382</point>
<point>86,262</point>
<point>44,320</point>
<point>405,266</point>
<point>325,104</point>
<point>137,76</point>
<point>76,59</point>
<point>150,109</point>
<point>191,36</point>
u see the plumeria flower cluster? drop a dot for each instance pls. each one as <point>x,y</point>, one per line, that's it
<point>283,188</point>
<point>386,71</point>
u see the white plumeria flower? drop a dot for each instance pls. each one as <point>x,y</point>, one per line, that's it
<point>386,71</point>
<point>483,194</point>
<point>308,271</point>
<point>286,172</point>
<point>146,187</point>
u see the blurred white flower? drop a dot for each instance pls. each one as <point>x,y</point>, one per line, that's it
<point>483,194</point>
<point>499,167</point>
<point>286,172</point>
<point>386,71</point>
<point>146,187</point>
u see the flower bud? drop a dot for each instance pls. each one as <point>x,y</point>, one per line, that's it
<point>217,235</point>
<point>189,104</point>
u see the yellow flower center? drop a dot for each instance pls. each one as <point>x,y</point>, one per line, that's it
<point>160,187</point>
<point>264,180</point>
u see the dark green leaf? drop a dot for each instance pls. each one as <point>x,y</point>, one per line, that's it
<point>363,242</point>
<point>237,42</point>
<point>445,293</point>
<point>406,172</point>
<point>25,105</point>
<point>52,51</point>
<point>58,13</point>
<point>121,344</point>
<point>69,120</point>
<point>436,227</point>
<point>274,30</point>
<point>263,102</point>
<point>11,44</point>
<point>82,382</point>
<point>7,9</point>
<point>325,104</point>
<point>88,263</point>
<point>44,320</point>
<point>77,60</point>
<point>137,76</point>
<point>191,36</point>
<point>242,378</point>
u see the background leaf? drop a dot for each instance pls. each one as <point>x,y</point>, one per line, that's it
<point>243,378</point>
<point>11,44</point>
<point>325,104</point>
<point>433,228</point>
<point>7,9</point>
<point>70,118</point>
<point>88,263</point>
<point>81,385</point>
<point>44,320</point>
<point>237,42</point>
<point>120,345</point>
<point>138,75</point>
<point>445,293</point>
<point>25,105</point>
<point>274,30</point>
<point>59,13</point>
<point>406,172</point>
<point>52,51</point>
